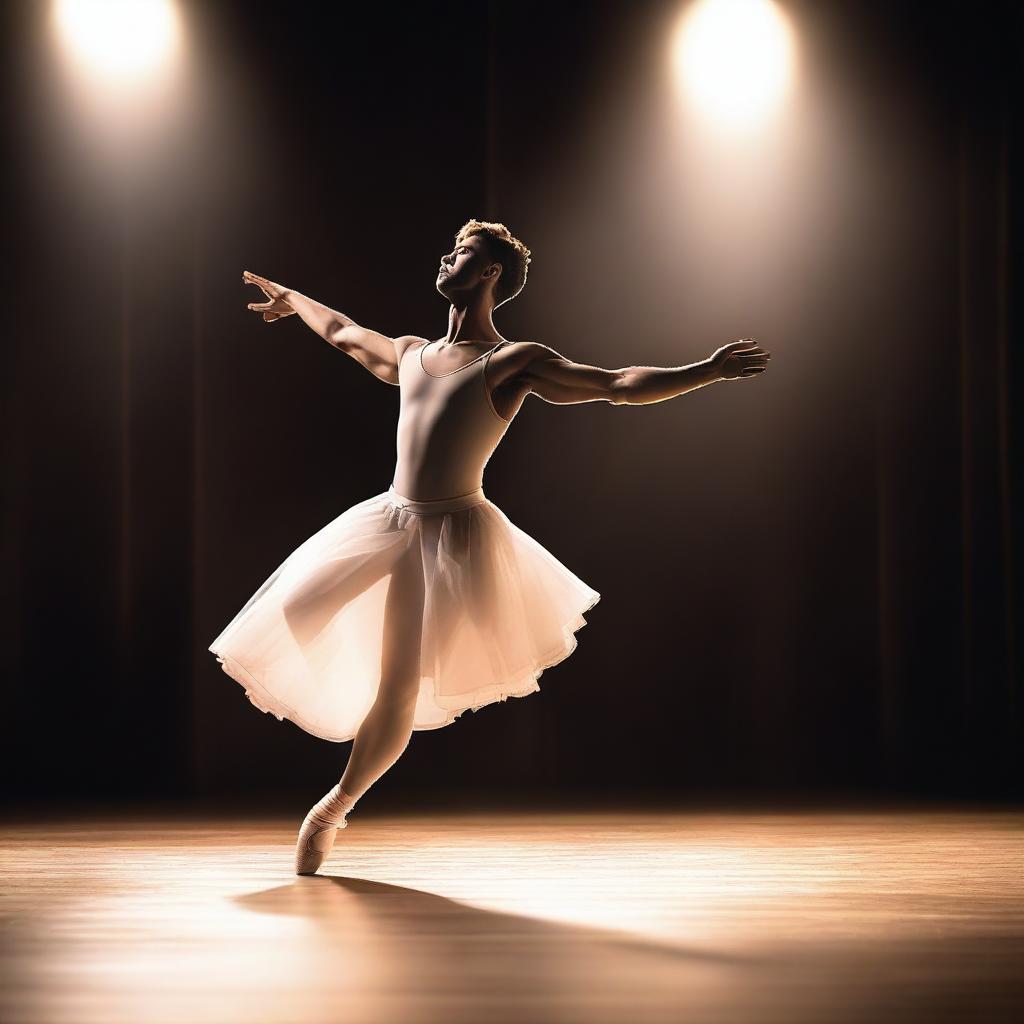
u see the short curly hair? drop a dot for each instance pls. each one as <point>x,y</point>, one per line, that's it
<point>505,249</point>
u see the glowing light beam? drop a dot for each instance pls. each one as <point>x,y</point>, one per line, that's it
<point>118,40</point>
<point>734,59</point>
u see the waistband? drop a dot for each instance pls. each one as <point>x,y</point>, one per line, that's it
<point>435,506</point>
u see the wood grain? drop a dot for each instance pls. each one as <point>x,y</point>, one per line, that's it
<point>552,917</point>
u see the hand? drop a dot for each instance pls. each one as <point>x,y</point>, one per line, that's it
<point>276,307</point>
<point>744,358</point>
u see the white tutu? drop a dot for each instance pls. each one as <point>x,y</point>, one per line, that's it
<point>498,609</point>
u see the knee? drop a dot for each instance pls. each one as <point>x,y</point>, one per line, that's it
<point>399,698</point>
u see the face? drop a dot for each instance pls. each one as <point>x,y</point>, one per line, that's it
<point>464,267</point>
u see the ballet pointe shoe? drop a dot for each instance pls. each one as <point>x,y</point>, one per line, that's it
<point>320,829</point>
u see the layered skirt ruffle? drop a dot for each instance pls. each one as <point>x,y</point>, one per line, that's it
<point>494,609</point>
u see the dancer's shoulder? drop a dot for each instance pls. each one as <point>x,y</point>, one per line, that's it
<point>404,342</point>
<point>531,352</point>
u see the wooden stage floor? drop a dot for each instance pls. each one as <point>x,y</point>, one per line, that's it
<point>909,916</point>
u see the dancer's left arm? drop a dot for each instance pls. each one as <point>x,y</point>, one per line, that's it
<point>561,381</point>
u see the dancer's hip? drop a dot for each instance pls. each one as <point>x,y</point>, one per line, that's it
<point>436,506</point>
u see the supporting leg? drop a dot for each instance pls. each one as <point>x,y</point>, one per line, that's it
<point>385,732</point>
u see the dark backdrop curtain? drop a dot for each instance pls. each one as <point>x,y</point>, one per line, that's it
<point>837,614</point>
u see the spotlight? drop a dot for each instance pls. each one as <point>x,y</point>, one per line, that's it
<point>734,58</point>
<point>118,39</point>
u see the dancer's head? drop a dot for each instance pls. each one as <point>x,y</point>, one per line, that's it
<point>487,260</point>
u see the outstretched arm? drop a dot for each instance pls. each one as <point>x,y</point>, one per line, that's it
<point>374,350</point>
<point>561,381</point>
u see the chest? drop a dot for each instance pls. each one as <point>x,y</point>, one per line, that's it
<point>461,391</point>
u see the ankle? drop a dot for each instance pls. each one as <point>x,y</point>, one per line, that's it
<point>346,799</point>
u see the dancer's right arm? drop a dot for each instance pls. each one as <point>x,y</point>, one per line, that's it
<point>374,350</point>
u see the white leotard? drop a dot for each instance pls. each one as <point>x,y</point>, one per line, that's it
<point>448,427</point>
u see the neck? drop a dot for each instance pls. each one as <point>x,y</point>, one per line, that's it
<point>471,321</point>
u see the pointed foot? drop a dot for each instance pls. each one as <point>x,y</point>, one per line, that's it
<point>320,829</point>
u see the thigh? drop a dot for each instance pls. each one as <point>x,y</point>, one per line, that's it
<point>403,628</point>
<point>309,607</point>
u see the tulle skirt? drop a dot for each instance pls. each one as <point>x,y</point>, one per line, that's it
<point>488,607</point>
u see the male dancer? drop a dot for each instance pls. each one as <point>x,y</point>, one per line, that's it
<point>486,268</point>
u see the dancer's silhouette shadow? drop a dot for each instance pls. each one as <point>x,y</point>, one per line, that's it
<point>418,946</point>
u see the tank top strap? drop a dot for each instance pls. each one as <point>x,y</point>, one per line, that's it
<point>411,348</point>
<point>490,352</point>
<point>483,366</point>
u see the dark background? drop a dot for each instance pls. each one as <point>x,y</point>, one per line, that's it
<point>810,580</point>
